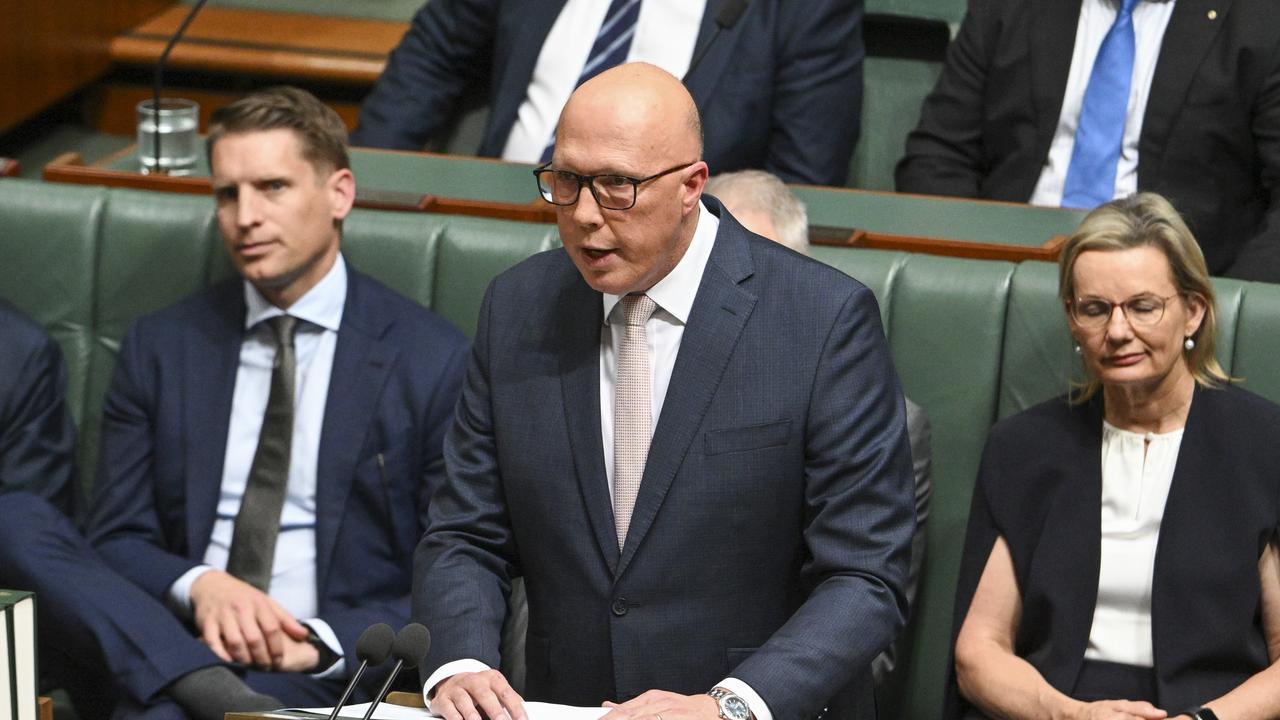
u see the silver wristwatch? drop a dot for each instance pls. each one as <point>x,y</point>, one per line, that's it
<point>732,707</point>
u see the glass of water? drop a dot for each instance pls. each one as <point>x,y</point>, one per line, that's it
<point>177,124</point>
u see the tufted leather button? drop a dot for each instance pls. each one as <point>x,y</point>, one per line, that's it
<point>620,607</point>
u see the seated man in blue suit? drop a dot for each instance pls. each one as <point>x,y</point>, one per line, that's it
<point>267,447</point>
<point>690,442</point>
<point>779,84</point>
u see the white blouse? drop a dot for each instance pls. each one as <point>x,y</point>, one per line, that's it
<point>1137,470</point>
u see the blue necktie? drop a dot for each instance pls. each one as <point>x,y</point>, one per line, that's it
<point>613,42</point>
<point>1091,176</point>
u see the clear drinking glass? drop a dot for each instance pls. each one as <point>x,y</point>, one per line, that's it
<point>178,124</point>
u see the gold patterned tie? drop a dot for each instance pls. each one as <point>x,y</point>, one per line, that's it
<point>632,422</point>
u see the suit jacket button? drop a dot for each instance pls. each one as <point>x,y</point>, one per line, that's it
<point>620,607</point>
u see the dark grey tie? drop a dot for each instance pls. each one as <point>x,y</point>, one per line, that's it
<point>253,544</point>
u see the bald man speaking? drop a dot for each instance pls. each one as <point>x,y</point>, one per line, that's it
<point>690,442</point>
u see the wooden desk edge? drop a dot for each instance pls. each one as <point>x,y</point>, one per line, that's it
<point>45,706</point>
<point>69,168</point>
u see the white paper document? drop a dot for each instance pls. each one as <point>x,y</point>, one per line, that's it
<point>535,711</point>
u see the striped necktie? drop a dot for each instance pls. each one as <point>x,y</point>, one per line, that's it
<point>1091,176</point>
<point>612,44</point>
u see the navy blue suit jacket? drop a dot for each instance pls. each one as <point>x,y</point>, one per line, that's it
<point>771,534</point>
<point>37,437</point>
<point>781,90</point>
<point>1210,137</point>
<point>397,369</point>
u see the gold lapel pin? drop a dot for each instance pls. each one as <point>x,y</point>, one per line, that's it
<point>1213,14</point>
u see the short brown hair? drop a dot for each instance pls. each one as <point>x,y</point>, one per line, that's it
<point>1147,219</point>
<point>319,129</point>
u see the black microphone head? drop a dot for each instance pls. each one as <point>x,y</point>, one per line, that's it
<point>731,13</point>
<point>411,644</point>
<point>374,644</point>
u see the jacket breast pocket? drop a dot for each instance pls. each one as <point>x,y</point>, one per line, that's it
<point>751,437</point>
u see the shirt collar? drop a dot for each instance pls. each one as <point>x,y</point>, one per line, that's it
<point>675,292</point>
<point>322,305</point>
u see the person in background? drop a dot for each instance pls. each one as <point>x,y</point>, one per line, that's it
<point>779,87</point>
<point>267,451</point>
<point>1077,102</point>
<point>1121,558</point>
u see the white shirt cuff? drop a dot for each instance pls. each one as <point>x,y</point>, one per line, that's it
<point>326,634</point>
<point>180,590</point>
<point>744,691</point>
<point>446,671</point>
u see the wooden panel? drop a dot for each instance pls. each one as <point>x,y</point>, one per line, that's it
<point>287,45</point>
<point>52,48</point>
<point>70,169</point>
<point>46,708</point>
<point>116,115</point>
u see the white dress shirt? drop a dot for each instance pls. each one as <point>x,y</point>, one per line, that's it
<point>674,295</point>
<point>1137,471</point>
<point>665,35</point>
<point>293,573</point>
<point>1150,18</point>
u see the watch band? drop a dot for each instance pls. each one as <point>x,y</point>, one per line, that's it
<point>327,656</point>
<point>1200,713</point>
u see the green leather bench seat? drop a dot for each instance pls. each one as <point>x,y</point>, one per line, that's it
<point>973,340</point>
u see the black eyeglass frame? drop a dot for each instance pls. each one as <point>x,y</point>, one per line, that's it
<point>1102,320</point>
<point>589,181</point>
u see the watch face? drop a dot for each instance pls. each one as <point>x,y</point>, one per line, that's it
<point>735,708</point>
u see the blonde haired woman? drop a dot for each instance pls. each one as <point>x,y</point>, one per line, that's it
<point>1121,558</point>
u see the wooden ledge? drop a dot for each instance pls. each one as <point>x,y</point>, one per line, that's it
<point>286,45</point>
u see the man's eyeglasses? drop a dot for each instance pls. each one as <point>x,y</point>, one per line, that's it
<point>1142,310</point>
<point>612,192</point>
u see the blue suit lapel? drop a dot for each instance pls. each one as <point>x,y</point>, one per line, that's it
<point>211,355</point>
<point>720,311</point>
<point>702,82</point>
<point>524,31</point>
<point>579,349</point>
<point>361,362</point>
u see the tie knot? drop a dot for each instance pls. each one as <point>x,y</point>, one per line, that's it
<point>283,326</point>
<point>1126,7</point>
<point>637,308</point>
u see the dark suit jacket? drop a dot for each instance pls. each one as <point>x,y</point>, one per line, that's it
<point>781,90</point>
<point>1210,137</point>
<point>37,437</point>
<point>771,535</point>
<point>397,370</point>
<point>1040,486</point>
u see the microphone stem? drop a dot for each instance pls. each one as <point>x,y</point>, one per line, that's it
<point>159,80</point>
<point>346,694</point>
<point>386,686</point>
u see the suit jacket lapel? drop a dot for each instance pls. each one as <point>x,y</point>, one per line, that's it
<point>361,363</point>
<point>578,334</point>
<point>702,81</point>
<point>1052,38</point>
<point>720,311</point>
<point>533,22</point>
<point>1186,40</point>
<point>1078,516</point>
<point>212,357</point>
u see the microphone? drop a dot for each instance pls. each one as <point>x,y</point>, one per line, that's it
<point>371,649</point>
<point>729,15</point>
<point>409,648</point>
<point>159,80</point>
